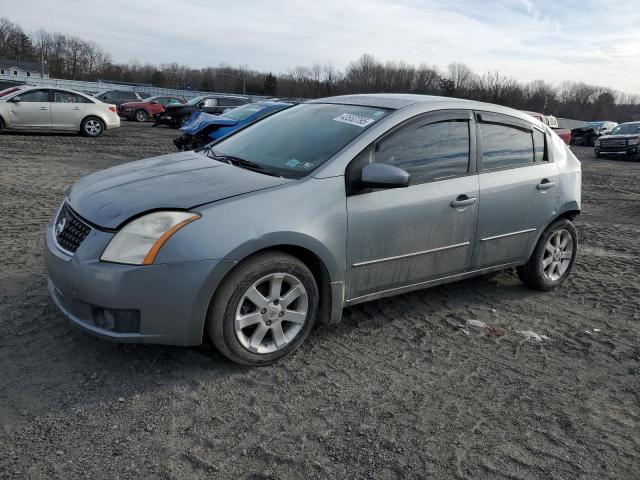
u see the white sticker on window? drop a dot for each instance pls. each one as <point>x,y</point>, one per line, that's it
<point>356,120</point>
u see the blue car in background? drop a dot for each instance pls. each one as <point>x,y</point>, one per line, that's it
<point>203,128</point>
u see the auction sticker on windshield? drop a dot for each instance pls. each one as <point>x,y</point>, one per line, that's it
<point>356,120</point>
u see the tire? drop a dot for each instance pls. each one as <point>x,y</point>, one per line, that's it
<point>141,115</point>
<point>254,344</point>
<point>1,125</point>
<point>91,127</point>
<point>539,272</point>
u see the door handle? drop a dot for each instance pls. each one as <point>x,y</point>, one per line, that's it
<point>463,201</point>
<point>545,183</point>
<point>44,108</point>
<point>76,108</point>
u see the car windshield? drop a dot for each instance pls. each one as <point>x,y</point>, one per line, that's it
<point>197,100</point>
<point>244,112</point>
<point>299,139</point>
<point>626,129</point>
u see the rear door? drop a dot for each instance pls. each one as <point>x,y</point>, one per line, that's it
<point>517,189</point>
<point>67,110</point>
<point>407,236</point>
<point>32,111</point>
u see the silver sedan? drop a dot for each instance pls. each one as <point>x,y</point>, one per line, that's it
<point>39,108</point>
<point>330,203</point>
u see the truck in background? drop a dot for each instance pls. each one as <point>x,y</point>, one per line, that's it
<point>552,122</point>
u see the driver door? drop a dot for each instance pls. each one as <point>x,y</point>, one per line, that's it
<point>32,111</point>
<point>409,236</point>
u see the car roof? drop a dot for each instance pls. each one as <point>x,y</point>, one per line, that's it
<point>60,89</point>
<point>396,101</point>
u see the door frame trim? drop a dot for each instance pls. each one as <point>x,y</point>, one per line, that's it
<point>428,283</point>
<point>409,255</point>
<point>504,235</point>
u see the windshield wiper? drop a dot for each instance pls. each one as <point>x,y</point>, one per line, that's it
<point>242,163</point>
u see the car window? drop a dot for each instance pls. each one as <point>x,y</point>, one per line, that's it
<point>505,146</point>
<point>174,101</point>
<point>67,97</point>
<point>539,146</point>
<point>35,96</point>
<point>160,100</point>
<point>428,152</point>
<point>211,102</point>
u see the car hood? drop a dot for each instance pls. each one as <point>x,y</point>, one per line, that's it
<point>200,120</point>
<point>183,180</point>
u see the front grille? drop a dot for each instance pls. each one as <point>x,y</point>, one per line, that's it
<point>614,142</point>
<point>69,230</point>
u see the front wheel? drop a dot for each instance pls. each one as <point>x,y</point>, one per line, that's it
<point>264,309</point>
<point>553,258</point>
<point>92,127</point>
<point>141,115</point>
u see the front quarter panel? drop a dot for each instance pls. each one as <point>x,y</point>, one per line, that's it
<point>309,213</point>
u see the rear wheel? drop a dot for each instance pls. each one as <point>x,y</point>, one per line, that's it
<point>553,258</point>
<point>141,115</point>
<point>264,309</point>
<point>92,127</point>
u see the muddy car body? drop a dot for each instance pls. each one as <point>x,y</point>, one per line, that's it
<point>326,204</point>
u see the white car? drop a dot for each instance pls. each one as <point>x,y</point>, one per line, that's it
<point>38,108</point>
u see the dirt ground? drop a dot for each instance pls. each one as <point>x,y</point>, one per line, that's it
<point>397,390</point>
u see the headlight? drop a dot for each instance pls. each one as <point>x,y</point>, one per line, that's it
<point>633,141</point>
<point>140,240</point>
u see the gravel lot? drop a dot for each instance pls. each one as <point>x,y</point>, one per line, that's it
<point>395,391</point>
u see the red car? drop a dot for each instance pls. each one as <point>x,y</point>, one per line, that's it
<point>148,108</point>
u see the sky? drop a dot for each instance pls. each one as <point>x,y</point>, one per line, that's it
<point>597,42</point>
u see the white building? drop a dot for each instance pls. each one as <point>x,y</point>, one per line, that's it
<point>20,68</point>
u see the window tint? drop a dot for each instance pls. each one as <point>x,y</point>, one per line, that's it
<point>35,96</point>
<point>66,97</point>
<point>428,152</point>
<point>539,146</point>
<point>504,146</point>
<point>210,102</point>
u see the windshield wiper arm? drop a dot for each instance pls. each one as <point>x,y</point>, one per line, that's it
<point>242,163</point>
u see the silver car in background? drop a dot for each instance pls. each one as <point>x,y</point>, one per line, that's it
<point>37,108</point>
<point>324,205</point>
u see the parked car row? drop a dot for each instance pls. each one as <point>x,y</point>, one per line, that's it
<point>177,115</point>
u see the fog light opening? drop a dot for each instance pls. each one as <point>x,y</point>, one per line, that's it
<point>117,320</point>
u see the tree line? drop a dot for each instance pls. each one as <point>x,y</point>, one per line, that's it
<point>70,57</point>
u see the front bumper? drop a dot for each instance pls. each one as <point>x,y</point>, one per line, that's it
<point>172,299</point>
<point>627,151</point>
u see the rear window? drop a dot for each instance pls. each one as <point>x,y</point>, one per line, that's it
<point>505,146</point>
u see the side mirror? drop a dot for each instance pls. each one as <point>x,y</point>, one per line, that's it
<point>382,175</point>
<point>16,99</point>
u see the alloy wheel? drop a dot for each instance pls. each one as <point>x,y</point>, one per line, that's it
<point>557,255</point>
<point>93,127</point>
<point>271,313</point>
